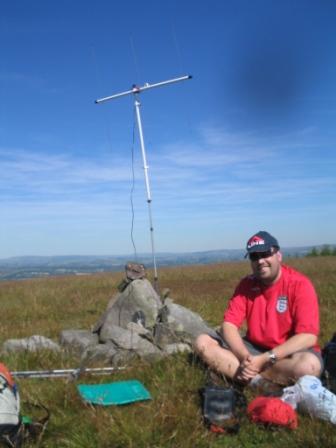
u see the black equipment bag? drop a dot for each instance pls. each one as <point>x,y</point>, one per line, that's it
<point>222,408</point>
<point>329,359</point>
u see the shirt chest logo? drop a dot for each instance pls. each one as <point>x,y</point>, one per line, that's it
<point>282,304</point>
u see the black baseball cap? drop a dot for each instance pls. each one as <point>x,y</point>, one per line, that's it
<point>261,242</point>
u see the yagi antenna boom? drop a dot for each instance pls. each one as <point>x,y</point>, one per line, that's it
<point>136,90</point>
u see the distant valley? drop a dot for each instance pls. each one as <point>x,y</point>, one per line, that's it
<point>16,268</point>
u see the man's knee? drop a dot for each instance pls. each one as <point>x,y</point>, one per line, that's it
<point>306,364</point>
<point>202,343</point>
<point>219,359</point>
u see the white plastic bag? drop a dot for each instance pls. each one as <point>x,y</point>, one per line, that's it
<point>9,404</point>
<point>292,395</point>
<point>310,396</point>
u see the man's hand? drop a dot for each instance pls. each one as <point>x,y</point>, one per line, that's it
<point>251,366</point>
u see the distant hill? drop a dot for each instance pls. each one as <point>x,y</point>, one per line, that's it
<point>15,268</point>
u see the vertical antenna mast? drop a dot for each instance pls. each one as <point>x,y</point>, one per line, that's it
<point>136,91</point>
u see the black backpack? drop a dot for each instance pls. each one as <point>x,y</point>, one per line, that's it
<point>329,359</point>
<point>222,407</point>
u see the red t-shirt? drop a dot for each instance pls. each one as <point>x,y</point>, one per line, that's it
<point>275,313</point>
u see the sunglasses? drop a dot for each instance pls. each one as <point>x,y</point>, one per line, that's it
<point>259,255</point>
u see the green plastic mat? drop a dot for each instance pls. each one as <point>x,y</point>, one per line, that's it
<point>26,420</point>
<point>119,392</point>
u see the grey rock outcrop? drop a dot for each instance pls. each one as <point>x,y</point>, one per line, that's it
<point>31,344</point>
<point>131,340</point>
<point>172,349</point>
<point>184,322</point>
<point>164,335</point>
<point>77,341</point>
<point>138,302</point>
<point>108,354</point>
<point>137,320</point>
<point>136,323</point>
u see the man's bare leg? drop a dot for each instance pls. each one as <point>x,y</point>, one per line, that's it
<point>217,358</point>
<point>285,371</point>
<point>289,370</point>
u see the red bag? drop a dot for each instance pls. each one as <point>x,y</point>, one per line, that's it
<point>272,411</point>
<point>5,373</point>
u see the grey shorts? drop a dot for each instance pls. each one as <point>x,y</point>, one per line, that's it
<point>256,349</point>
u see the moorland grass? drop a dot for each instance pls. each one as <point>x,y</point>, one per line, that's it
<point>173,417</point>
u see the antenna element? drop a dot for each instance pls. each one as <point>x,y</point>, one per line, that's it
<point>136,90</point>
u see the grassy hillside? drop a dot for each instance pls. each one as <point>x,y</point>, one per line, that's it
<point>172,418</point>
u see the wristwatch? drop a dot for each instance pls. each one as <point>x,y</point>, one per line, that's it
<point>272,357</point>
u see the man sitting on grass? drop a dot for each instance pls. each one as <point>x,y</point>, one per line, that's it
<point>281,311</point>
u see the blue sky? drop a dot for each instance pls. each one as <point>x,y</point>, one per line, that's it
<point>247,144</point>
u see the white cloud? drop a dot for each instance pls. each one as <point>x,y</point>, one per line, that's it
<point>57,173</point>
<point>221,177</point>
